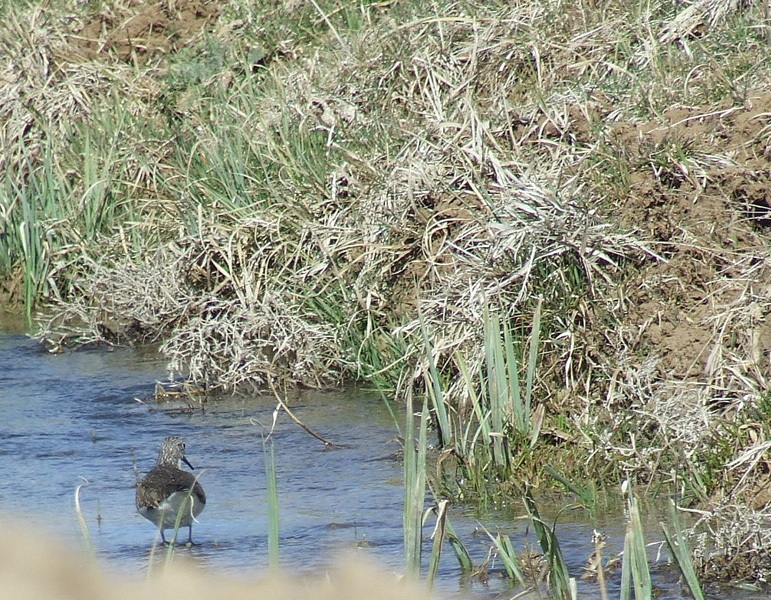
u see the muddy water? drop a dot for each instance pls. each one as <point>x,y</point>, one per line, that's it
<point>73,418</point>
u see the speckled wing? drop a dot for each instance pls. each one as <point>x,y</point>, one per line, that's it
<point>162,482</point>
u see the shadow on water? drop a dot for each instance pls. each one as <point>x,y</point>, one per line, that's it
<point>73,417</point>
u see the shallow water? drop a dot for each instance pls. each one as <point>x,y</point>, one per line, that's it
<point>74,417</point>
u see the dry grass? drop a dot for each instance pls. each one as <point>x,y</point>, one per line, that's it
<point>36,567</point>
<point>732,545</point>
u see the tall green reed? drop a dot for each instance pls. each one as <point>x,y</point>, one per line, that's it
<point>681,553</point>
<point>436,394</point>
<point>27,241</point>
<point>509,404</point>
<point>494,438</point>
<point>561,584</point>
<point>414,515</point>
<point>634,570</point>
<point>273,506</point>
<point>414,486</point>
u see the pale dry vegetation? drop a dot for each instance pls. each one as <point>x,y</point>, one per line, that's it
<point>292,194</point>
<point>34,566</point>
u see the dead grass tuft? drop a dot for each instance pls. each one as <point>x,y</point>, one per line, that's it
<point>734,546</point>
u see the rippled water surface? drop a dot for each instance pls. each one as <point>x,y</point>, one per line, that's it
<point>80,417</point>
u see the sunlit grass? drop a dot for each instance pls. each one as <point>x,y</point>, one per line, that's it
<point>500,432</point>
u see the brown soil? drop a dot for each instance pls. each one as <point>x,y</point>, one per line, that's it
<point>143,30</point>
<point>699,186</point>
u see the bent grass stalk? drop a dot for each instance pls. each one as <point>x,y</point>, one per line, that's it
<point>185,507</point>
<point>82,521</point>
<point>561,584</point>
<point>461,553</point>
<point>508,555</point>
<point>437,537</point>
<point>678,546</point>
<point>445,532</point>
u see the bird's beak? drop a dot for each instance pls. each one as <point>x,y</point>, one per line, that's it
<point>187,462</point>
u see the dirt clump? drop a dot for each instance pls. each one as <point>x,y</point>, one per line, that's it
<point>141,30</point>
<point>698,186</point>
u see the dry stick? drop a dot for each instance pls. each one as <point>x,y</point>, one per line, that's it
<point>296,420</point>
<point>599,544</point>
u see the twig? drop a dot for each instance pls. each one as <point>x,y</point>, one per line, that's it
<point>296,420</point>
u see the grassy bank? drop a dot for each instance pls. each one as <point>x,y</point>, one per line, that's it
<point>312,193</point>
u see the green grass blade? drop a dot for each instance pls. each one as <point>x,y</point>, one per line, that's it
<point>414,487</point>
<point>585,496</point>
<point>495,383</point>
<point>626,571</point>
<point>532,357</point>
<point>437,395</point>
<point>459,549</point>
<point>678,546</point>
<point>515,393</point>
<point>480,411</point>
<point>637,557</point>
<point>560,584</point>
<point>273,513</point>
